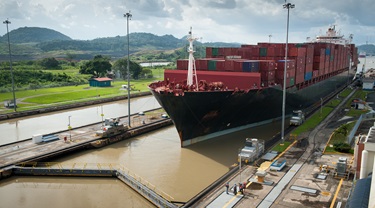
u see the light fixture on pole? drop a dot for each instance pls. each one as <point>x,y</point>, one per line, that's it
<point>269,38</point>
<point>287,6</point>
<point>7,22</point>
<point>128,16</point>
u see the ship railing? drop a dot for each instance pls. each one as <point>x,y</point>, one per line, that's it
<point>146,183</point>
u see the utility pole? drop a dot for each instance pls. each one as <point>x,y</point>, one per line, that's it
<point>287,6</point>
<point>128,17</point>
<point>7,22</point>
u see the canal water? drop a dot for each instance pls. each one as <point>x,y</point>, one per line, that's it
<point>154,157</point>
<point>19,129</point>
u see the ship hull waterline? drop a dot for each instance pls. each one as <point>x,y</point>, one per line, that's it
<point>199,116</point>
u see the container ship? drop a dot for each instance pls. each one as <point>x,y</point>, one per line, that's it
<point>234,88</point>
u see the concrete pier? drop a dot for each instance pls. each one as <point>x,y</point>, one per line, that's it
<point>155,196</point>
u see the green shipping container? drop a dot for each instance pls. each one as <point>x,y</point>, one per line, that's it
<point>300,45</point>
<point>263,52</point>
<point>215,51</point>
<point>291,83</point>
<point>332,57</point>
<point>212,65</point>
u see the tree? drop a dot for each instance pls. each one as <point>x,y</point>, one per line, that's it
<point>97,67</point>
<point>146,73</point>
<point>121,66</point>
<point>50,63</point>
<point>70,57</point>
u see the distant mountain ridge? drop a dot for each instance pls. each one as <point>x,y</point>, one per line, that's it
<point>35,42</point>
<point>33,35</point>
<point>369,49</point>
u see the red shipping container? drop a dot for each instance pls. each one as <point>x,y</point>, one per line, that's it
<point>300,78</point>
<point>182,64</point>
<point>315,73</point>
<point>271,51</point>
<point>208,52</point>
<point>267,66</point>
<point>268,75</point>
<point>241,80</point>
<point>221,51</point>
<point>289,73</point>
<point>281,82</point>
<point>300,61</point>
<point>309,67</point>
<point>220,65</point>
<point>237,65</point>
<point>309,60</point>
<point>293,52</point>
<point>300,70</point>
<point>301,52</point>
<point>310,51</point>
<point>229,65</point>
<point>326,62</point>
<point>245,53</point>
<point>290,64</point>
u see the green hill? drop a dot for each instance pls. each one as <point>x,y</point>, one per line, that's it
<point>36,43</point>
<point>368,49</point>
<point>33,35</point>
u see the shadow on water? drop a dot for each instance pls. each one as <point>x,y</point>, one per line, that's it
<point>224,149</point>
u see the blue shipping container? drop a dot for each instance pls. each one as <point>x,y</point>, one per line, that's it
<point>308,76</point>
<point>250,66</point>
<point>328,51</point>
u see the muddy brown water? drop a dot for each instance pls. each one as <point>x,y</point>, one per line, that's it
<point>156,158</point>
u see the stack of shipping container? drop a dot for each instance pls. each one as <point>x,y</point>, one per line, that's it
<point>307,63</point>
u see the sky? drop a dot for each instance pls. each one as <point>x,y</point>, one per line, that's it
<point>240,21</point>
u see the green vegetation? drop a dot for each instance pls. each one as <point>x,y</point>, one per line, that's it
<point>33,35</point>
<point>313,121</point>
<point>338,141</point>
<point>34,99</point>
<point>98,67</point>
<point>360,94</point>
<point>135,69</point>
<point>368,48</point>
<point>46,43</point>
<point>281,146</point>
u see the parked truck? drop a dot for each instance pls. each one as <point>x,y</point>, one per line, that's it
<point>298,117</point>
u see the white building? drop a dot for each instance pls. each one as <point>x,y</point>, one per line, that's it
<point>364,191</point>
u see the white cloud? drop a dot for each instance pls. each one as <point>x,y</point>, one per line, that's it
<point>214,20</point>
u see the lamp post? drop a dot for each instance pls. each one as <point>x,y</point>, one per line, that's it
<point>269,38</point>
<point>7,22</point>
<point>128,16</point>
<point>286,6</point>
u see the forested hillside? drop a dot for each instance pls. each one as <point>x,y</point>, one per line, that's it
<point>33,35</point>
<point>35,43</point>
<point>368,49</point>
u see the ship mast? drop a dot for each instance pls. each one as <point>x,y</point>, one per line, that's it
<point>192,71</point>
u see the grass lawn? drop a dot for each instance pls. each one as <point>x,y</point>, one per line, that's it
<point>322,113</point>
<point>33,99</point>
<point>313,121</point>
<point>281,146</point>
